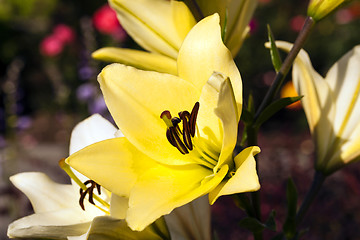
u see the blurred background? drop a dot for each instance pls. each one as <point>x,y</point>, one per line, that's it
<point>48,84</point>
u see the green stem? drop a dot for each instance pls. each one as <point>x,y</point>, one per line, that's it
<point>285,67</point>
<point>274,89</point>
<point>316,185</point>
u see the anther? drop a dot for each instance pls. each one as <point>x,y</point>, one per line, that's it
<point>90,191</point>
<point>184,116</point>
<point>193,116</point>
<point>188,130</point>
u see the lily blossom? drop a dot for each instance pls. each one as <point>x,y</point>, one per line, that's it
<point>160,27</point>
<point>332,107</point>
<point>164,162</point>
<point>56,206</point>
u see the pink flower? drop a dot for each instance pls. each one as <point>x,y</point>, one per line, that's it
<point>64,33</point>
<point>51,46</point>
<point>105,20</point>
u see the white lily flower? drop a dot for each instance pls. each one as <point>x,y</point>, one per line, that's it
<point>332,107</point>
<point>56,206</point>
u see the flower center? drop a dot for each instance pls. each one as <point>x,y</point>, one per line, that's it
<point>181,138</point>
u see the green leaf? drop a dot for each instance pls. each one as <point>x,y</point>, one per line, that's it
<point>289,227</point>
<point>273,108</point>
<point>252,224</point>
<point>274,52</point>
<point>270,222</point>
<point>108,228</point>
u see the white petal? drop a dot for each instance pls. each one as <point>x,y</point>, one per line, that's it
<point>44,194</point>
<point>344,81</point>
<point>91,130</point>
<point>191,221</point>
<point>54,225</point>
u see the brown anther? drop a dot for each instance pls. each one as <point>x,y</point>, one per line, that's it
<point>178,143</point>
<point>173,131</point>
<point>90,191</point>
<point>193,116</point>
<point>166,114</point>
<point>184,116</point>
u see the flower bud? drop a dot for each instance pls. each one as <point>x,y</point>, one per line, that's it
<point>318,9</point>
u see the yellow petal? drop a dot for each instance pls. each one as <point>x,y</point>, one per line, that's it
<point>166,187</point>
<point>245,179</point>
<point>318,102</point>
<point>319,9</point>
<point>240,13</point>
<point>138,59</point>
<point>150,23</point>
<point>183,18</point>
<point>227,112</point>
<point>111,159</point>
<point>203,52</point>
<point>136,100</point>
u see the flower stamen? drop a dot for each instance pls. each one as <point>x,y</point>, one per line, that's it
<point>173,131</point>
<point>90,192</point>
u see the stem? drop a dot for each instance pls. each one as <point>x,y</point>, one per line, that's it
<point>285,67</point>
<point>317,183</point>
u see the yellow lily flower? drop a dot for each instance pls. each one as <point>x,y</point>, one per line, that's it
<point>160,27</point>
<point>318,9</point>
<point>332,107</point>
<point>154,165</point>
<point>239,14</point>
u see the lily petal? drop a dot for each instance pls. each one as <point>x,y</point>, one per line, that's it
<point>44,194</point>
<point>191,221</point>
<point>55,225</point>
<point>118,158</point>
<point>168,187</point>
<point>240,14</point>
<point>118,206</point>
<point>318,101</point>
<point>138,59</point>
<point>91,130</point>
<point>150,23</point>
<point>141,94</point>
<point>227,112</point>
<point>203,52</point>
<point>344,81</point>
<point>183,18</point>
<point>245,178</point>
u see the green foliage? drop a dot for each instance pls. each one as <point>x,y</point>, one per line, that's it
<point>273,108</point>
<point>289,227</point>
<point>274,52</point>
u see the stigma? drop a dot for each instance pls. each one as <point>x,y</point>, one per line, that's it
<point>181,138</point>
